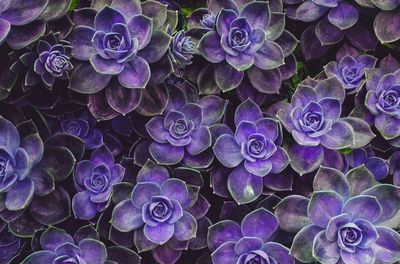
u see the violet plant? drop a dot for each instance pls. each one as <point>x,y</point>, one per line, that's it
<point>183,134</point>
<point>314,119</point>
<point>356,226</point>
<point>243,37</point>
<point>94,180</point>
<point>159,211</point>
<point>120,41</point>
<point>252,150</point>
<point>203,132</point>
<point>249,242</point>
<point>382,100</point>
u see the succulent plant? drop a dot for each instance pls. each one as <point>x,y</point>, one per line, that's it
<point>314,119</point>
<point>243,37</point>
<point>382,101</point>
<point>203,132</point>
<point>247,243</point>
<point>182,134</point>
<point>351,71</point>
<point>18,158</point>
<point>252,150</point>
<point>83,127</point>
<point>355,226</point>
<point>94,180</point>
<point>160,212</point>
<point>117,48</point>
<point>46,61</point>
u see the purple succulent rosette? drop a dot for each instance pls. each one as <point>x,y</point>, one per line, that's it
<point>314,119</point>
<point>253,150</point>
<point>57,247</point>
<point>121,42</point>
<point>9,244</point>
<point>238,38</point>
<point>178,132</point>
<point>28,172</point>
<point>18,156</point>
<point>162,212</point>
<point>383,99</point>
<point>53,62</point>
<point>348,219</point>
<point>83,127</point>
<point>237,42</point>
<point>94,180</point>
<point>350,71</point>
<point>46,61</point>
<point>160,131</point>
<point>248,243</point>
<point>181,50</point>
<point>182,133</point>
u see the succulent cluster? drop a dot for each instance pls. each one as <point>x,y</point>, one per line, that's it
<point>201,132</point>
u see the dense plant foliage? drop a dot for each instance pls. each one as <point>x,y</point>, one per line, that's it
<point>201,132</point>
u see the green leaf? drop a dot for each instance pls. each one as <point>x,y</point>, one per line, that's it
<point>187,11</point>
<point>73,5</point>
<point>302,73</point>
<point>392,46</point>
<point>345,151</point>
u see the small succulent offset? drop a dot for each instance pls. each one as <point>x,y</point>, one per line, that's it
<point>120,41</point>
<point>252,150</point>
<point>201,21</point>
<point>46,61</point>
<point>53,62</point>
<point>383,99</point>
<point>60,247</point>
<point>181,51</point>
<point>159,211</point>
<point>17,158</point>
<point>83,127</point>
<point>94,180</point>
<point>313,119</point>
<point>350,71</point>
<point>348,219</point>
<point>243,37</point>
<point>249,242</point>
